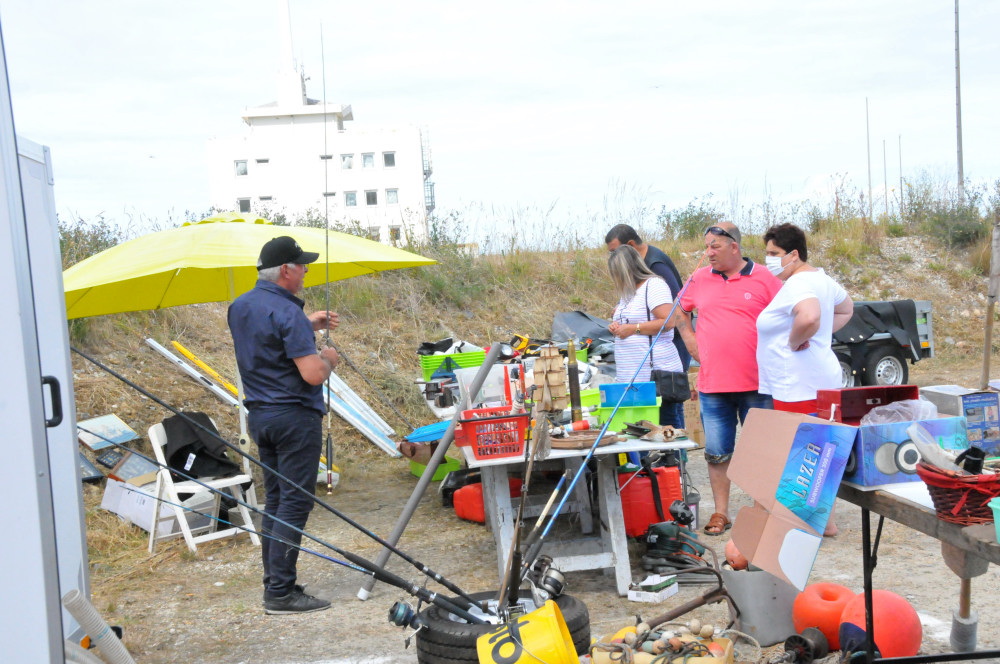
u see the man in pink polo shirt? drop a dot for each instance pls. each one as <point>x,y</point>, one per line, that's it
<point>729,295</point>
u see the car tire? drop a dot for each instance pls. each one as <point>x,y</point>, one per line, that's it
<point>885,366</point>
<point>447,640</point>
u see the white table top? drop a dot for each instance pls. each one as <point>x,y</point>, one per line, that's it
<point>630,445</point>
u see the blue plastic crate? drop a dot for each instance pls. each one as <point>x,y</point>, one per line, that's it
<point>638,394</point>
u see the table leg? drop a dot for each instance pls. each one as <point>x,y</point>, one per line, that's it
<point>582,496</point>
<point>866,561</point>
<point>613,523</point>
<point>499,512</point>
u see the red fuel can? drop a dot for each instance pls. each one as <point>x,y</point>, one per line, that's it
<point>637,498</point>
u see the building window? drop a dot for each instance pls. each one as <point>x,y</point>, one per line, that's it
<point>263,161</point>
<point>241,167</point>
<point>389,159</point>
<point>347,161</point>
<point>373,233</point>
<point>368,160</point>
<point>371,198</point>
<point>350,198</point>
<point>394,234</point>
<point>392,196</point>
<point>244,204</point>
<point>266,198</point>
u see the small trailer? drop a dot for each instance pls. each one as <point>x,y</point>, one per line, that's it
<point>873,348</point>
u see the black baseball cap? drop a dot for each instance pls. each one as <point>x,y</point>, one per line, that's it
<point>281,250</point>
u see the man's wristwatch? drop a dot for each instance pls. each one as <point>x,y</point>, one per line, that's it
<point>637,328</point>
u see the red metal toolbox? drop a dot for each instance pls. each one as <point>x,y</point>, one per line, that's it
<point>850,404</point>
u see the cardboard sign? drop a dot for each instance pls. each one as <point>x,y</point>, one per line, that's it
<point>791,465</point>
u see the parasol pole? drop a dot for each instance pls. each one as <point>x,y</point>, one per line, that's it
<point>244,441</point>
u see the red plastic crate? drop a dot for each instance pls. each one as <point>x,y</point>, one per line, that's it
<point>493,432</point>
<point>637,499</point>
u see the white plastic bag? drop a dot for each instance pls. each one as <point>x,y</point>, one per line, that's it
<point>908,410</point>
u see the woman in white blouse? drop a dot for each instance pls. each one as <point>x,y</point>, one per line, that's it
<point>643,306</point>
<point>795,357</point>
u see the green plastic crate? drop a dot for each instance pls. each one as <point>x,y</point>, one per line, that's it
<point>446,466</point>
<point>430,363</point>
<point>590,397</point>
<point>629,414</point>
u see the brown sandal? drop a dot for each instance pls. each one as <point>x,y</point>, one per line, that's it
<point>718,524</point>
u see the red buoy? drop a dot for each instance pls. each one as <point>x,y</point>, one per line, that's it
<point>821,605</point>
<point>898,632</point>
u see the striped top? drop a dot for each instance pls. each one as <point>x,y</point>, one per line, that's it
<point>629,352</point>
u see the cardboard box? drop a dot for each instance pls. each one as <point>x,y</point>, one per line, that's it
<point>884,454</point>
<point>136,504</point>
<point>692,421</point>
<point>980,409</point>
<point>791,465</point>
<point>653,589</point>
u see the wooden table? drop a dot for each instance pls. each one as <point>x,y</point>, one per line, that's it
<point>967,550</point>
<point>607,550</point>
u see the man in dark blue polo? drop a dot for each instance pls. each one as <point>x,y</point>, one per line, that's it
<point>660,265</point>
<point>282,378</point>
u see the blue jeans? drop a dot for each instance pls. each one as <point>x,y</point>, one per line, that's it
<point>672,413</point>
<point>719,411</point>
<point>289,440</point>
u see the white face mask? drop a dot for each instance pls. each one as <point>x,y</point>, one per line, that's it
<point>773,264</point>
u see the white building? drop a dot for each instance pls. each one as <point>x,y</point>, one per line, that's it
<point>372,178</point>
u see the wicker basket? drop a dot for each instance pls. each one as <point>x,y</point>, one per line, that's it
<point>961,499</point>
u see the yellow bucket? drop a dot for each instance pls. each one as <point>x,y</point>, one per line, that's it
<point>539,636</point>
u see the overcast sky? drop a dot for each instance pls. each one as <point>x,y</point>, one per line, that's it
<point>527,104</point>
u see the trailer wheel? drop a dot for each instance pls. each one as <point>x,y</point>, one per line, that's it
<point>885,366</point>
<point>447,639</point>
<point>847,375</point>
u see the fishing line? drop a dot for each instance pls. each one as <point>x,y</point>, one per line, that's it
<point>372,569</point>
<point>537,545</point>
<point>466,600</point>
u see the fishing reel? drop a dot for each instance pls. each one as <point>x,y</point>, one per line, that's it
<point>546,581</point>
<point>401,614</point>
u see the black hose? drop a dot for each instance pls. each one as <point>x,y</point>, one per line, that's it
<point>466,601</point>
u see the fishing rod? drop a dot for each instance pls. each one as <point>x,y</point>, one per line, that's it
<point>466,600</point>
<point>369,567</point>
<point>375,387</point>
<point>326,236</point>
<point>536,546</point>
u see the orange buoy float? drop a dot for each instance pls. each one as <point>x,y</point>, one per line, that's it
<point>821,605</point>
<point>898,632</point>
<point>733,556</point>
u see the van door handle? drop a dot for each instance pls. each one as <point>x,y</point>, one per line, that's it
<point>56,394</point>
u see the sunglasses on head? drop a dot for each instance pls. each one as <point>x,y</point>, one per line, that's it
<point>718,230</point>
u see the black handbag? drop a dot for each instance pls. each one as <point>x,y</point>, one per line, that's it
<point>671,386</point>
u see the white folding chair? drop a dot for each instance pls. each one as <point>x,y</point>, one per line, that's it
<point>167,489</point>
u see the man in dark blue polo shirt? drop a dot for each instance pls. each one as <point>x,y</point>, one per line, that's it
<point>282,378</point>
<point>660,265</point>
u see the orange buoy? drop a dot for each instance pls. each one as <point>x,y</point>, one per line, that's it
<point>898,632</point>
<point>734,557</point>
<point>821,605</point>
